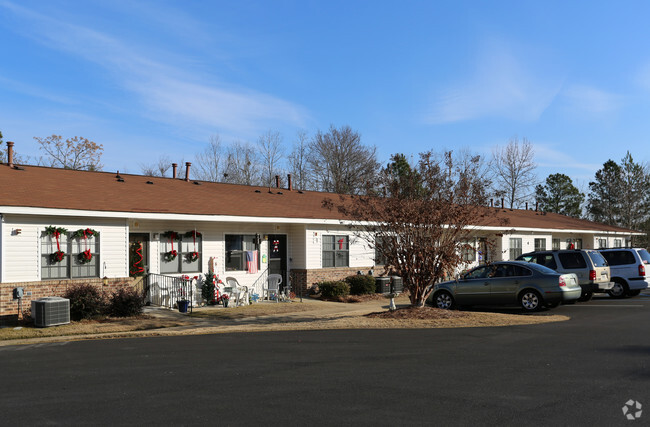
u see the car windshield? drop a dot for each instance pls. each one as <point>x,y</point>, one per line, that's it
<point>598,259</point>
<point>645,256</point>
<point>542,269</point>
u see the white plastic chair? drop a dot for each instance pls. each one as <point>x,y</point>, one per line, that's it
<point>240,293</point>
<point>272,286</point>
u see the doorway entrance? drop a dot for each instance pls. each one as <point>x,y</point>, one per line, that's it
<point>138,254</point>
<point>278,256</point>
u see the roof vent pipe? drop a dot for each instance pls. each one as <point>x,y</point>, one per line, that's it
<point>187,171</point>
<point>491,202</point>
<point>174,166</point>
<point>289,183</point>
<point>10,154</point>
<point>526,205</point>
<point>277,181</point>
<point>502,204</point>
<point>536,203</point>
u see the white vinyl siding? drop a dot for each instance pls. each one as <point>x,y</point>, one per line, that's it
<point>22,257</point>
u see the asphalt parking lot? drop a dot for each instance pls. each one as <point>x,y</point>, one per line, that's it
<point>579,372</point>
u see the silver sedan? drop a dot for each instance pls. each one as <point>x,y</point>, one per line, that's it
<point>532,286</point>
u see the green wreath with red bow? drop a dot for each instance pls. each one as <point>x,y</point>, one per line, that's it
<point>56,232</point>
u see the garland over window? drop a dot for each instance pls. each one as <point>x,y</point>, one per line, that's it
<point>56,232</point>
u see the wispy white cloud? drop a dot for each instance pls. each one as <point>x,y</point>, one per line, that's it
<point>33,91</point>
<point>643,76</point>
<point>552,156</point>
<point>589,100</point>
<point>168,93</point>
<point>502,84</point>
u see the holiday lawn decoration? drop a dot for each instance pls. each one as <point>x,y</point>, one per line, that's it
<point>209,290</point>
<point>56,232</point>
<point>136,259</point>
<point>171,255</point>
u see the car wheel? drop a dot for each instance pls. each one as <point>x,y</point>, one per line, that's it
<point>586,296</point>
<point>552,304</point>
<point>633,292</point>
<point>530,300</point>
<point>444,300</point>
<point>619,290</point>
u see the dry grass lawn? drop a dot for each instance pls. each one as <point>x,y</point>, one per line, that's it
<point>367,313</point>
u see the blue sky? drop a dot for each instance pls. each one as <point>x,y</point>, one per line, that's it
<point>149,78</point>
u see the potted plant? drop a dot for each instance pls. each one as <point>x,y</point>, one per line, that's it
<point>182,303</point>
<point>224,299</point>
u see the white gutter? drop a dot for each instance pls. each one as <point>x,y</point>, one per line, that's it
<point>254,219</point>
<point>160,216</point>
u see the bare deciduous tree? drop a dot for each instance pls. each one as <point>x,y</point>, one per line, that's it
<point>241,164</point>
<point>210,163</point>
<point>298,161</point>
<point>270,146</point>
<point>339,163</point>
<point>157,169</point>
<point>419,227</point>
<point>74,153</point>
<point>513,167</point>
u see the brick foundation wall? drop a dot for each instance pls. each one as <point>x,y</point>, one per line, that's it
<point>305,279</point>
<point>48,288</point>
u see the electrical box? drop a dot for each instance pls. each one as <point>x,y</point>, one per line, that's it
<point>18,293</point>
<point>383,285</point>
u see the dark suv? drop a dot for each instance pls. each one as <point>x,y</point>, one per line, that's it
<point>589,265</point>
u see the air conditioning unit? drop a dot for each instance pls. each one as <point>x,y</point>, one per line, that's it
<point>51,311</point>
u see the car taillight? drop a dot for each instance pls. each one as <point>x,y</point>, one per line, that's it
<point>641,270</point>
<point>562,281</point>
<point>592,274</point>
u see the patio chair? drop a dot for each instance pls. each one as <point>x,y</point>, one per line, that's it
<point>272,287</point>
<point>239,292</point>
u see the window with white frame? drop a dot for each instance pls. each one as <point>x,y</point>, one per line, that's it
<point>336,251</point>
<point>515,247</point>
<point>618,243</point>
<point>236,247</point>
<point>602,243</point>
<point>540,244</point>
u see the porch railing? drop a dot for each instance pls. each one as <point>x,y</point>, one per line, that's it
<point>166,291</point>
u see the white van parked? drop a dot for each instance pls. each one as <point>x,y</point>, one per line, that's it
<point>630,270</point>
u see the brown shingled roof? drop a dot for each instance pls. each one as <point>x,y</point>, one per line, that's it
<point>101,191</point>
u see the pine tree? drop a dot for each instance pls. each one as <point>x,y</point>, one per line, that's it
<point>209,284</point>
<point>605,194</point>
<point>559,195</point>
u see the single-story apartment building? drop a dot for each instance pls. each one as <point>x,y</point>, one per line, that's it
<point>59,227</point>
